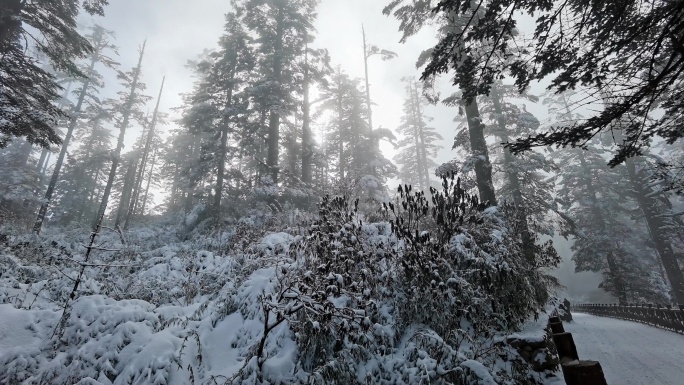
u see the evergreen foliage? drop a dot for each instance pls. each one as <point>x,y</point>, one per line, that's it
<point>418,147</point>
<point>27,91</point>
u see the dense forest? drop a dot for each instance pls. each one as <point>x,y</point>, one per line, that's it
<point>267,229</point>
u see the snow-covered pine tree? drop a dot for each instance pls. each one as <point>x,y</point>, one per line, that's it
<point>86,96</point>
<point>232,69</point>
<point>27,91</point>
<point>315,70</point>
<point>656,212</point>
<point>283,30</point>
<point>413,16</point>
<point>83,176</point>
<point>593,196</point>
<point>361,170</point>
<point>215,116</point>
<point>525,180</point>
<point>122,110</point>
<point>418,146</point>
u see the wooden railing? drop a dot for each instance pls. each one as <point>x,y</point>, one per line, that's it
<point>575,371</point>
<point>662,316</point>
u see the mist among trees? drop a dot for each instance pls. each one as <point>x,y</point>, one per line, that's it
<point>267,226</point>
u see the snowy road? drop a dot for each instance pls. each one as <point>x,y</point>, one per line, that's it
<point>630,353</point>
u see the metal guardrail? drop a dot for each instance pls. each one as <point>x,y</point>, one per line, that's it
<point>663,316</point>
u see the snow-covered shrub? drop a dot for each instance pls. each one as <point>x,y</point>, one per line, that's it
<point>424,296</point>
<point>107,342</point>
<point>428,294</point>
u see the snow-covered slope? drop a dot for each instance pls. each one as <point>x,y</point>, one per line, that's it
<point>334,300</point>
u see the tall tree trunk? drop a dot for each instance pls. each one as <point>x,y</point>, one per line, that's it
<point>417,119</point>
<point>10,23</point>
<point>307,149</point>
<point>122,135</point>
<point>274,114</point>
<point>478,144</point>
<point>340,112</point>
<point>422,160</point>
<point>421,136</point>
<point>46,163</point>
<point>513,176</point>
<point>365,67</point>
<point>143,161</point>
<point>619,282</point>
<point>190,186</point>
<point>599,218</point>
<point>126,192</point>
<point>41,161</point>
<point>24,153</point>
<point>222,152</point>
<point>657,224</point>
<point>65,145</point>
<point>149,182</point>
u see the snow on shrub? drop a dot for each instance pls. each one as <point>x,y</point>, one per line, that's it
<point>425,295</point>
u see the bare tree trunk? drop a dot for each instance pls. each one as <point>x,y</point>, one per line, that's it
<point>41,161</point>
<point>423,146</point>
<point>149,181</point>
<point>122,134</point>
<point>143,161</point>
<point>307,150</point>
<point>340,111</point>
<point>224,145</point>
<point>513,177</point>
<point>416,136</point>
<point>657,226</point>
<point>190,186</point>
<point>274,115</point>
<point>65,145</point>
<point>478,144</point>
<point>126,192</point>
<point>365,67</point>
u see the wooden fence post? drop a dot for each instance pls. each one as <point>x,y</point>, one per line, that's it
<point>575,371</point>
<point>583,373</point>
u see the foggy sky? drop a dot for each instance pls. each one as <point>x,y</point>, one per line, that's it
<point>178,30</point>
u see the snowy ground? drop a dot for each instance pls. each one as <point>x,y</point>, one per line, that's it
<point>630,353</point>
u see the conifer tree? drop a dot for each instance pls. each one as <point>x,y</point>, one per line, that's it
<point>83,176</point>
<point>361,168</point>
<point>27,91</point>
<point>188,159</point>
<point>127,107</point>
<point>282,30</point>
<point>418,147</point>
<point>635,55</point>
<point>593,196</point>
<point>235,61</point>
<point>99,38</point>
<point>370,50</point>
<point>526,181</point>
<point>149,138</point>
<point>413,17</point>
